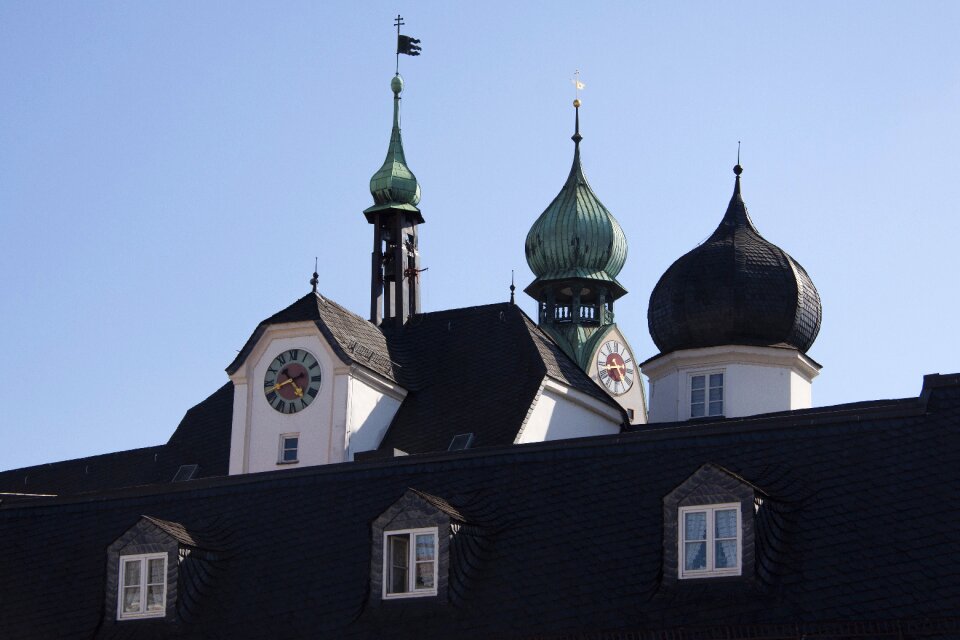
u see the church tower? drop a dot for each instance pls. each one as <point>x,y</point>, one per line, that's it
<point>395,265</point>
<point>733,320</point>
<point>575,249</point>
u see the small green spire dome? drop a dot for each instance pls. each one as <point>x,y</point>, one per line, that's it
<point>576,236</point>
<point>394,183</point>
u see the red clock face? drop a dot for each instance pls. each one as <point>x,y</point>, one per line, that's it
<point>292,381</point>
<point>615,367</point>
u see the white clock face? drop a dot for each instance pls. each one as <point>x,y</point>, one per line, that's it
<point>615,367</point>
<point>292,381</point>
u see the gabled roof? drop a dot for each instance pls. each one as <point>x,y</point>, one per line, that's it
<point>865,509</point>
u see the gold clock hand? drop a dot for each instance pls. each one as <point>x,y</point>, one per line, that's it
<point>285,382</point>
<point>297,390</point>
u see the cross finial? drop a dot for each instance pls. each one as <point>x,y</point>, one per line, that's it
<point>316,276</point>
<point>512,287</point>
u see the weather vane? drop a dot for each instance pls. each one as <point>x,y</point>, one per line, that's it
<point>405,44</point>
<point>577,87</point>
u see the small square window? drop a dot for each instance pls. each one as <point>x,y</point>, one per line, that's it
<point>709,541</point>
<point>461,442</point>
<point>185,472</point>
<point>706,395</point>
<point>289,448</point>
<point>142,591</point>
<point>410,563</point>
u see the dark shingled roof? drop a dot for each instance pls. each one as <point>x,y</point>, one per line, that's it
<point>856,532</point>
<point>735,288</point>
<point>202,438</point>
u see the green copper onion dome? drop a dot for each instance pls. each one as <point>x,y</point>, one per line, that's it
<point>394,183</point>
<point>576,237</point>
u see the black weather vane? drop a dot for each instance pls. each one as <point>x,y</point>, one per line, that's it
<point>406,45</point>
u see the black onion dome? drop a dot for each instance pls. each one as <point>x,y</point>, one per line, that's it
<point>735,288</point>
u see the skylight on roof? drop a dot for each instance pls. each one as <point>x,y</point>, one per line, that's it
<point>185,472</point>
<point>461,442</point>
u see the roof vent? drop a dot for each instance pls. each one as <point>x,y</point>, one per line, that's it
<point>185,472</point>
<point>461,442</point>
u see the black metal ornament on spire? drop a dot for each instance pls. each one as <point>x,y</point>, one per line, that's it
<point>407,45</point>
<point>316,276</point>
<point>512,288</point>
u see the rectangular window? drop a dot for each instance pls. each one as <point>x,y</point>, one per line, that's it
<point>142,592</point>
<point>410,563</point>
<point>706,395</point>
<point>710,541</point>
<point>289,448</point>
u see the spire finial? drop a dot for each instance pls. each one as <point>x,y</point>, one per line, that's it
<point>512,288</point>
<point>405,44</point>
<point>316,276</point>
<point>576,105</point>
<point>738,169</point>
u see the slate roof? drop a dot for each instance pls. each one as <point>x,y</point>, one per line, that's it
<point>735,288</point>
<point>473,370</point>
<point>202,438</point>
<point>565,538</point>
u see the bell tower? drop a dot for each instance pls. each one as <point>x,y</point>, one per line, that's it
<point>395,261</point>
<point>575,249</point>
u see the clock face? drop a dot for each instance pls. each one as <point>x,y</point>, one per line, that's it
<point>615,367</point>
<point>292,381</point>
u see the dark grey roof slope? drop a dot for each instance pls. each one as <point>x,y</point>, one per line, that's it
<point>735,288</point>
<point>202,438</point>
<point>474,370</point>
<point>855,538</point>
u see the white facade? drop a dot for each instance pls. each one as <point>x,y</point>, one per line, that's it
<point>754,380</point>
<point>562,412</point>
<point>351,412</point>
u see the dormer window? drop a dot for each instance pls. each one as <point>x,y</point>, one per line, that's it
<point>142,592</point>
<point>710,541</point>
<point>706,394</point>
<point>410,563</point>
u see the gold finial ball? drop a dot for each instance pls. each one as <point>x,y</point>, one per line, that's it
<point>576,103</point>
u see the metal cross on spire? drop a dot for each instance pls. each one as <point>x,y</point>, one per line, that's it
<point>577,85</point>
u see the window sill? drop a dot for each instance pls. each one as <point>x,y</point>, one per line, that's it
<point>411,594</point>
<point>282,462</point>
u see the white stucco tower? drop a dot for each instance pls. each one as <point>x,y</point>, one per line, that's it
<point>733,320</point>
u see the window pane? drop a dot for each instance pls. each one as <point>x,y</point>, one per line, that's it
<point>424,547</point>
<point>289,455</point>
<point>726,554</point>
<point>156,571</point>
<point>695,526</point>
<point>131,599</point>
<point>155,598</point>
<point>716,394</point>
<point>716,408</point>
<point>696,382</point>
<point>424,575</point>
<point>131,573</point>
<point>695,556</point>
<point>696,410</point>
<point>726,523</point>
<point>291,443</point>
<point>716,379</point>
<point>696,396</point>
<point>399,550</point>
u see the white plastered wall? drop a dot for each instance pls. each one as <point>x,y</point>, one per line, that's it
<point>755,380</point>
<point>350,413</point>
<point>562,412</point>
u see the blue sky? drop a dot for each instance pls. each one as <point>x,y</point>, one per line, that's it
<point>169,170</point>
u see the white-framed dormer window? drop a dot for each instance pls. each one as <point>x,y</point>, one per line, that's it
<point>710,541</point>
<point>706,394</point>
<point>289,448</point>
<point>142,590</point>
<point>410,563</point>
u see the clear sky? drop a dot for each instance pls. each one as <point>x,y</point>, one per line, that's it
<point>169,170</point>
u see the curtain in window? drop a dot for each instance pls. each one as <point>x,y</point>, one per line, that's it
<point>695,540</point>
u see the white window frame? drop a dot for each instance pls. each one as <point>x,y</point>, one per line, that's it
<point>710,571</point>
<point>706,393</point>
<point>143,559</point>
<point>283,448</point>
<point>412,591</point>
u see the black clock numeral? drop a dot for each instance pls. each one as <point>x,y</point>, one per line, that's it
<point>305,356</point>
<point>294,353</point>
<point>315,379</point>
<point>312,392</point>
<point>291,408</point>
<point>273,371</point>
<point>281,359</point>
<point>303,403</point>
<point>268,383</point>
<point>603,374</point>
<point>271,397</point>
<point>314,365</point>
<point>627,360</point>
<point>280,405</point>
